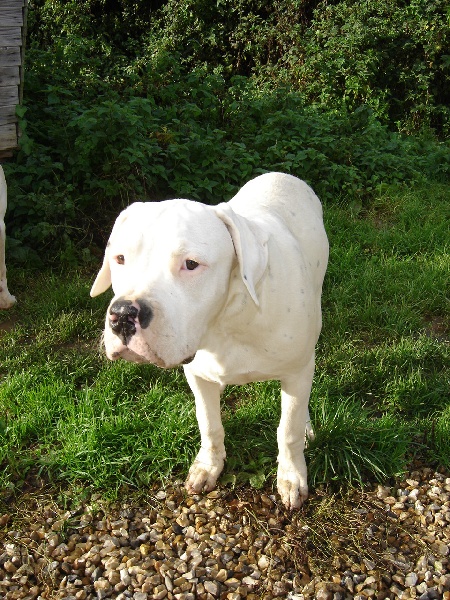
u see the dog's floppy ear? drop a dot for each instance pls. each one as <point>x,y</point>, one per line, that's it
<point>250,243</point>
<point>103,279</point>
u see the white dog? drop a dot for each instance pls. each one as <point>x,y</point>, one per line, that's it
<point>6,300</point>
<point>233,293</point>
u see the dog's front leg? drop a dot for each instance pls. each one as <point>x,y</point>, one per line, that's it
<point>209,462</point>
<point>292,474</point>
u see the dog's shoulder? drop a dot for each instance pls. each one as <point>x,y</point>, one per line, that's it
<point>284,197</point>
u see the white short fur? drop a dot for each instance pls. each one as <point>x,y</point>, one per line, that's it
<point>251,310</point>
<point>6,300</point>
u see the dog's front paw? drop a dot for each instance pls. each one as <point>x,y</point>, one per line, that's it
<point>6,299</point>
<point>204,471</point>
<point>292,487</point>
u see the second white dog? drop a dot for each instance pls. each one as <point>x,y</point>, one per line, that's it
<point>6,300</point>
<point>234,293</point>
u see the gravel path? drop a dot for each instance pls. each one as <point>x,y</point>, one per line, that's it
<point>383,543</point>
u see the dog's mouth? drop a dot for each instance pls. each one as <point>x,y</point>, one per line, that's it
<point>138,353</point>
<point>186,361</point>
<point>129,355</point>
<point>152,358</point>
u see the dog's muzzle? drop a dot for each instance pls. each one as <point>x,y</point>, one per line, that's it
<point>125,314</point>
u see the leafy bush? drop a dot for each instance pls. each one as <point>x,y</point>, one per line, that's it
<point>390,55</point>
<point>110,118</point>
<point>79,165</point>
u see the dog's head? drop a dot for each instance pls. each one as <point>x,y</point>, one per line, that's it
<point>169,264</point>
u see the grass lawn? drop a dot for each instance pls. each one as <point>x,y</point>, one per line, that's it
<point>380,396</point>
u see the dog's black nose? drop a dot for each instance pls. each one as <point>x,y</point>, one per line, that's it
<point>145,313</point>
<point>123,317</point>
<point>122,320</point>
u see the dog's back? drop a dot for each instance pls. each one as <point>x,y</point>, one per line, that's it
<point>296,205</point>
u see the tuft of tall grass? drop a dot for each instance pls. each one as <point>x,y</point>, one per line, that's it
<point>352,444</point>
<point>437,435</point>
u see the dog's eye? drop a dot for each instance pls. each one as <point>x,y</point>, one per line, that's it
<point>191,265</point>
<point>120,259</point>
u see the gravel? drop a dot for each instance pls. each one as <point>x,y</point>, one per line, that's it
<point>386,542</point>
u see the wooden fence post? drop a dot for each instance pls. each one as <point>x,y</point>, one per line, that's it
<point>13,20</point>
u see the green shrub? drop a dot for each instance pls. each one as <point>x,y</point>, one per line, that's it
<point>79,165</point>
<point>390,55</point>
<point>194,105</point>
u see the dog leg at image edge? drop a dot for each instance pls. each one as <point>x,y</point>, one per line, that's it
<point>6,299</point>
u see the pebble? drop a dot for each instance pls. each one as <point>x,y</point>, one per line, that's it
<point>411,579</point>
<point>390,542</point>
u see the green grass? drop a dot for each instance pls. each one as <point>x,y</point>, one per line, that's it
<point>380,396</point>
